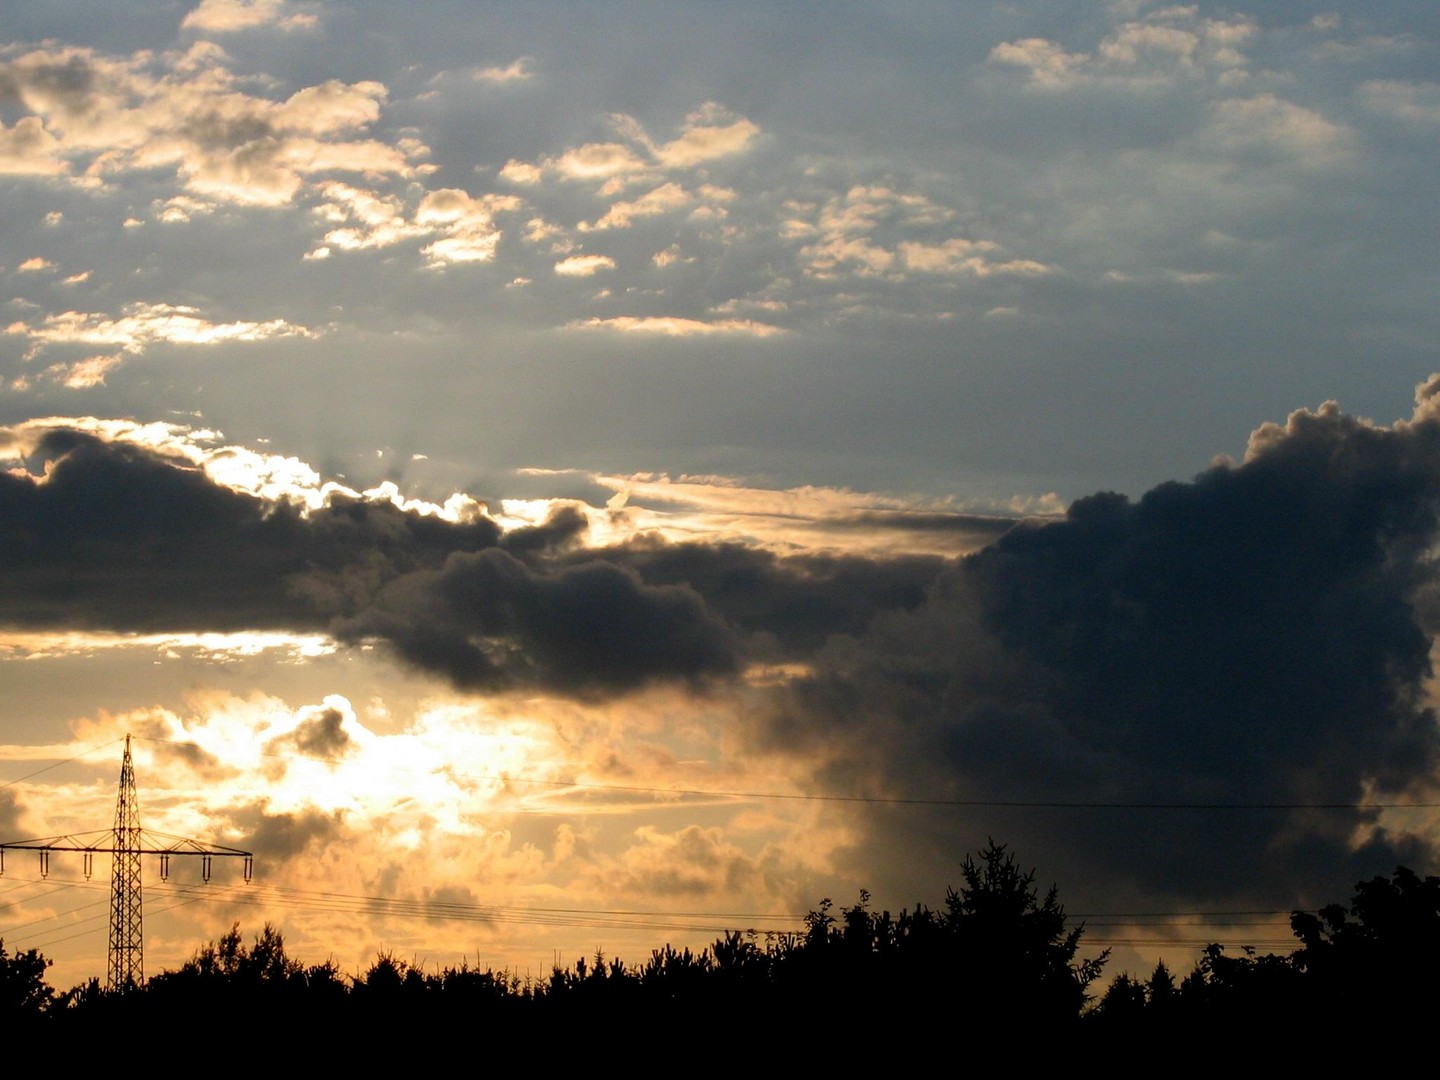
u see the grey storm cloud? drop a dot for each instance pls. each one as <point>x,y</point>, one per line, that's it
<point>1259,637</point>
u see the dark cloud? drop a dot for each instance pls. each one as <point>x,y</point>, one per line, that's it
<point>1252,637</point>
<point>321,734</point>
<point>281,837</point>
<point>564,527</point>
<point>124,538</point>
<point>788,605</point>
<point>120,537</point>
<point>194,757</point>
<point>488,621</point>
<point>9,814</point>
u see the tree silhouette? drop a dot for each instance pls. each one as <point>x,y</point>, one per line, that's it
<point>1382,955</point>
<point>23,990</point>
<point>1016,954</point>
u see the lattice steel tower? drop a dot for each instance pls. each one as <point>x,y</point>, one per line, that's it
<point>127,939</point>
<point>126,843</point>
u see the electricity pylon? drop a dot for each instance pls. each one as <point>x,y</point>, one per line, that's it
<point>127,841</point>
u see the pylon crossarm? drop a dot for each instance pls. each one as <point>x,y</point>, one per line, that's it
<point>145,843</point>
<point>158,843</point>
<point>102,840</point>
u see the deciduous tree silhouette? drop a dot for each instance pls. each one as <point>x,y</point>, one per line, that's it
<point>1381,956</point>
<point>23,990</point>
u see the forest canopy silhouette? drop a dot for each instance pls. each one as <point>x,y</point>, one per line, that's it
<point>998,953</point>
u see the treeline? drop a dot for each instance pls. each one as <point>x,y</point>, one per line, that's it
<point>997,957</point>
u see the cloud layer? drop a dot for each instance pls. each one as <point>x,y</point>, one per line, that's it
<point>1259,638</point>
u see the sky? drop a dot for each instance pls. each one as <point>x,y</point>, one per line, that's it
<point>551,478</point>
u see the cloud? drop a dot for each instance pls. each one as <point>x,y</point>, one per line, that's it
<point>515,71</point>
<point>461,227</point>
<point>811,519</point>
<point>180,551</point>
<point>10,813</point>
<point>709,133</point>
<point>876,231</point>
<point>1260,636</point>
<point>370,219</point>
<point>85,374</point>
<point>1413,102</point>
<point>27,149</point>
<point>673,326</point>
<point>467,225</point>
<point>692,862</point>
<point>1274,127</point>
<point>1169,45</point>
<point>661,200</point>
<point>231,16</point>
<point>450,592</point>
<point>117,117</point>
<point>277,838</point>
<point>143,325</point>
<point>960,256</point>
<point>584,265</point>
<point>320,731</point>
<point>489,621</point>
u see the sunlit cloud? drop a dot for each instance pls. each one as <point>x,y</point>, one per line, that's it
<point>274,477</point>
<point>671,326</point>
<point>527,808</point>
<point>43,645</point>
<point>875,231</point>
<point>1167,45</point>
<point>515,71</point>
<point>584,265</point>
<point>708,134</point>
<point>85,374</point>
<point>957,256</point>
<point>724,509</point>
<point>466,223</point>
<point>371,220</point>
<point>230,16</point>
<point>142,325</point>
<point>27,149</point>
<point>661,200</point>
<point>117,116</point>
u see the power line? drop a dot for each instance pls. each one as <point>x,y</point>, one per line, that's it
<point>57,764</point>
